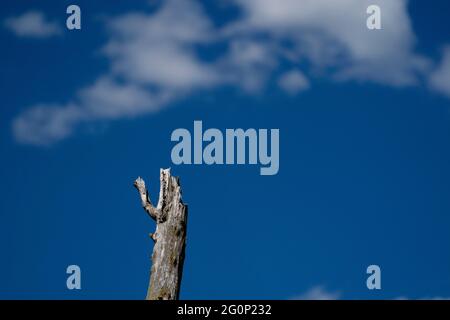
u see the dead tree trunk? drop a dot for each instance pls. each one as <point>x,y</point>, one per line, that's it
<point>170,236</point>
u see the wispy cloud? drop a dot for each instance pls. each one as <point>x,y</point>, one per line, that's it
<point>440,77</point>
<point>157,58</point>
<point>32,24</point>
<point>153,61</point>
<point>46,124</point>
<point>293,81</point>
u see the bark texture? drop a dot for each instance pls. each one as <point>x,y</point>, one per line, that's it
<point>170,215</point>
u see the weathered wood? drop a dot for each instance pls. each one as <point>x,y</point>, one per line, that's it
<point>170,236</point>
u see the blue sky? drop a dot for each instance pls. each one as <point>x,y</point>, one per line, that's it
<point>364,125</point>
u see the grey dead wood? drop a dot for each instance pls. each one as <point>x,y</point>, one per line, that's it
<point>169,238</point>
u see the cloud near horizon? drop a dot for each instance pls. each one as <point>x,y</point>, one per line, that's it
<point>155,58</point>
<point>320,293</point>
<point>317,293</point>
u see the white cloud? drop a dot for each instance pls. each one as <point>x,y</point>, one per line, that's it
<point>439,79</point>
<point>159,49</point>
<point>32,24</point>
<point>46,124</point>
<point>105,99</point>
<point>109,99</point>
<point>152,55</point>
<point>318,293</point>
<point>427,298</point>
<point>158,57</point>
<point>293,82</point>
